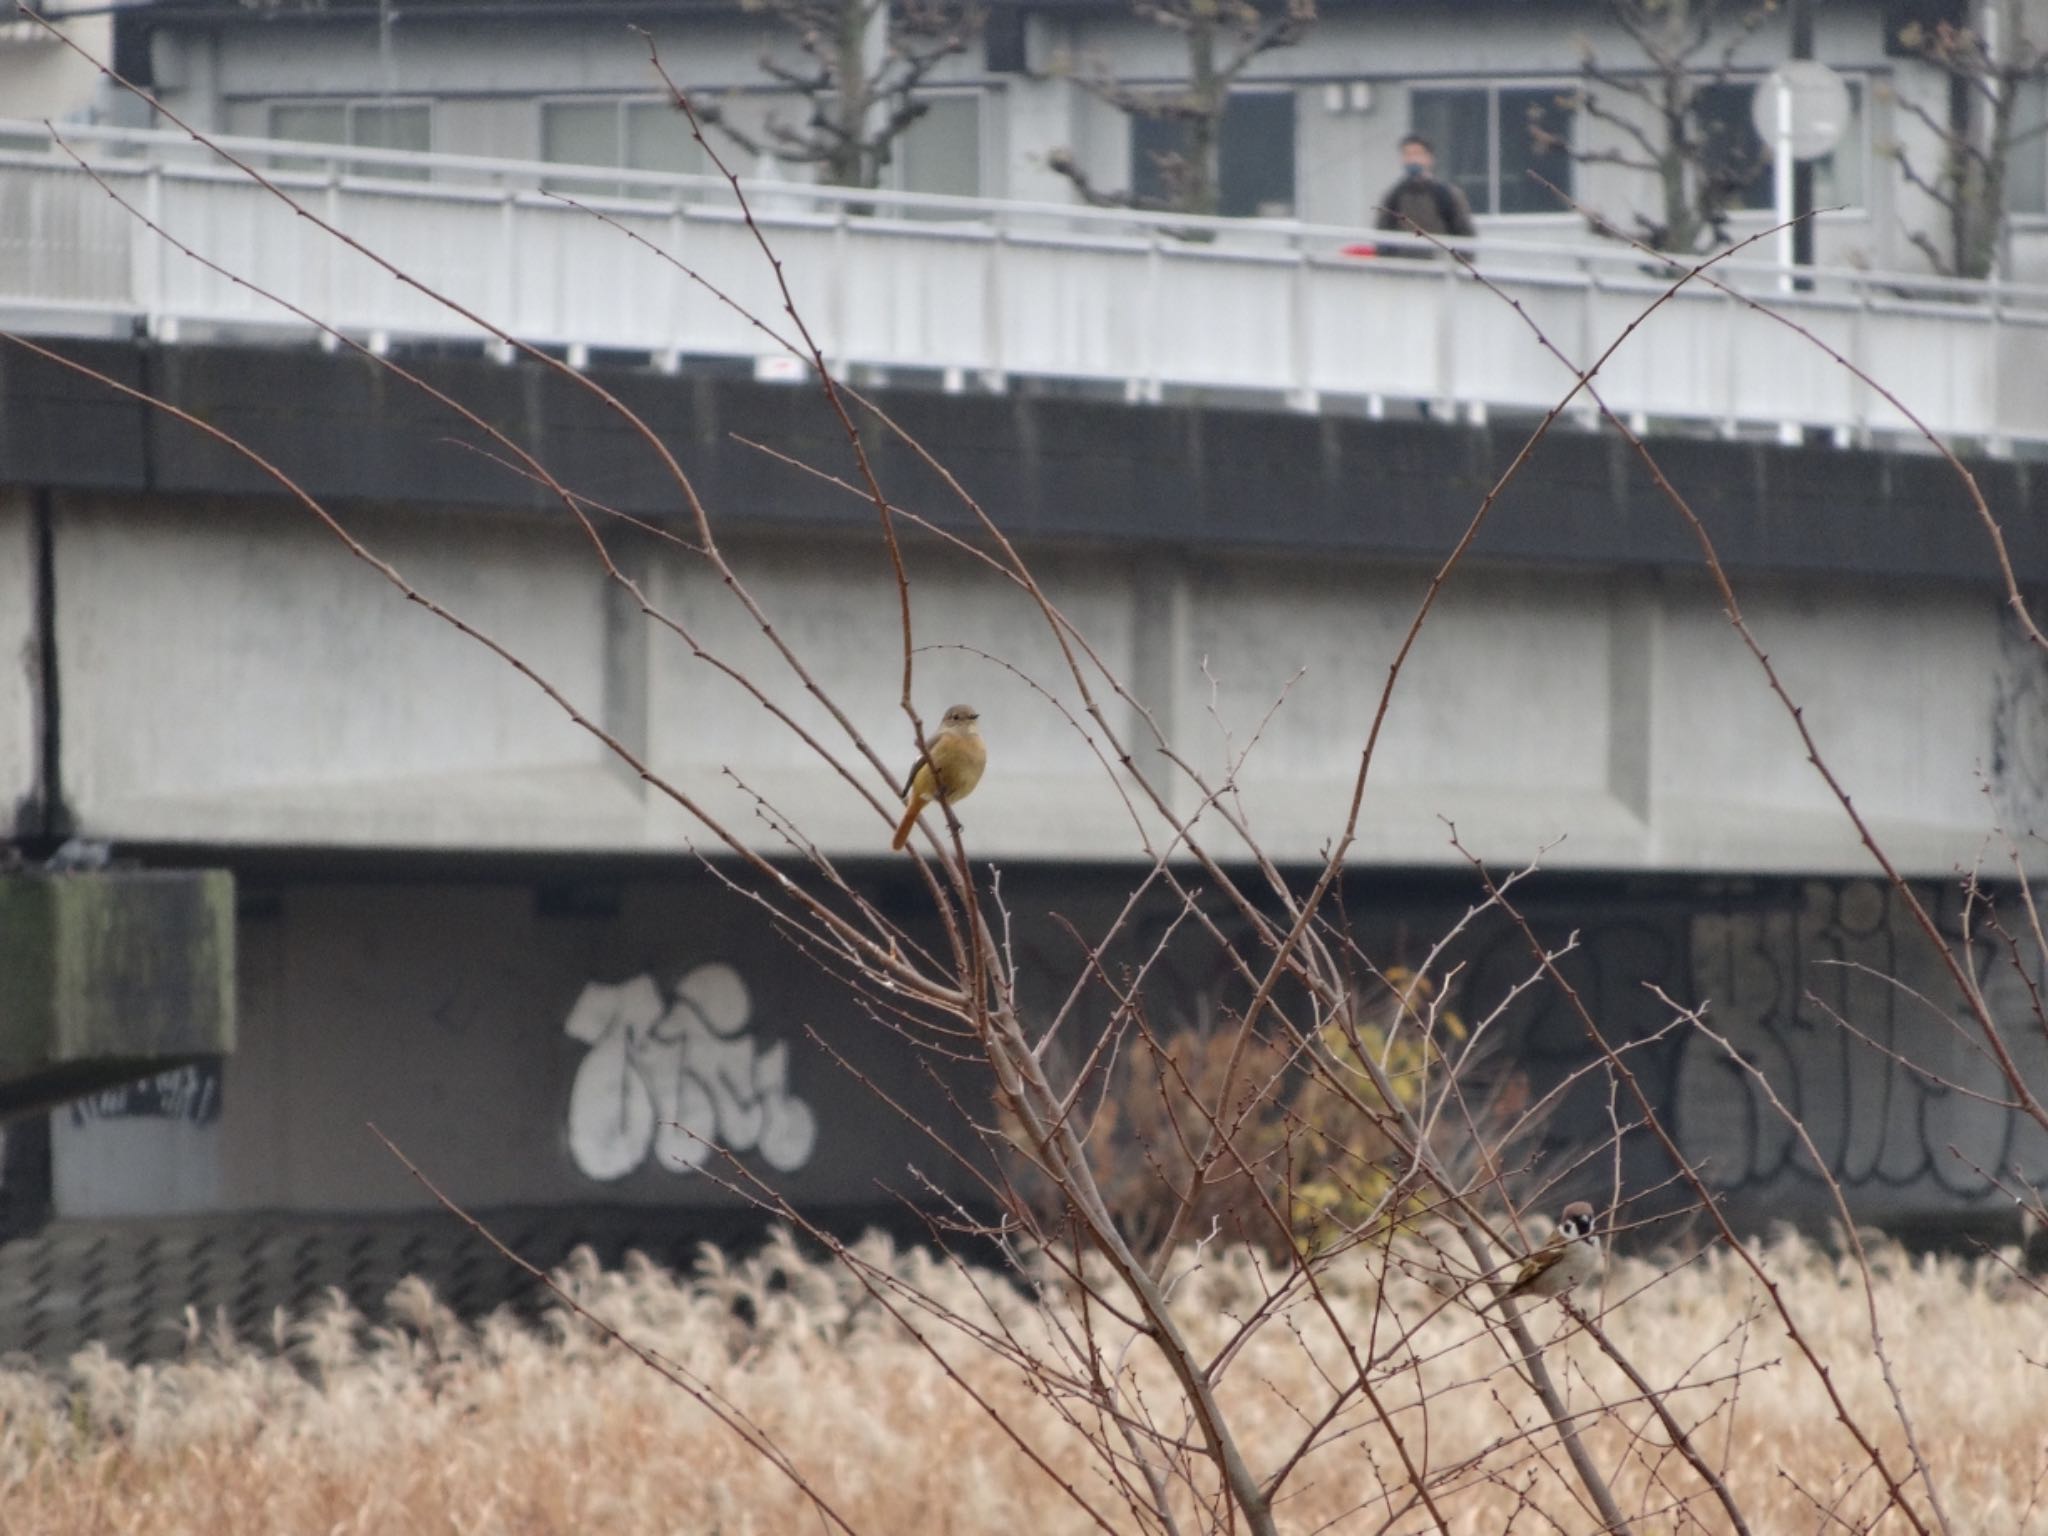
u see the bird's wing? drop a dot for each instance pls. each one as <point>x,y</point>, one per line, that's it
<point>910,778</point>
<point>1537,1265</point>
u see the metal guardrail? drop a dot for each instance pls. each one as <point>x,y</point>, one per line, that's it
<point>982,290</point>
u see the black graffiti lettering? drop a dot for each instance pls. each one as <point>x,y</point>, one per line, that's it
<point>191,1093</point>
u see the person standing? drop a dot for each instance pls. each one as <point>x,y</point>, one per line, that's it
<point>1435,207</point>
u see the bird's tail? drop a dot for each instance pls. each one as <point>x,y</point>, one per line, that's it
<point>1495,1301</point>
<point>910,815</point>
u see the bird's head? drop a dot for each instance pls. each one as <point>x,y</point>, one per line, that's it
<point>960,717</point>
<point>1576,1222</point>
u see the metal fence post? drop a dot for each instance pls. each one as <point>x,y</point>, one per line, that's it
<point>508,274</point>
<point>1859,354</point>
<point>1303,396</point>
<point>155,323</point>
<point>994,378</point>
<point>1587,412</point>
<point>1447,343</point>
<point>1154,386</point>
<point>1996,441</point>
<point>1731,381</point>
<point>840,345</point>
<point>669,357</point>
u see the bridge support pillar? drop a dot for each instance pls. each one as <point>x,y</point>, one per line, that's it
<point>106,977</point>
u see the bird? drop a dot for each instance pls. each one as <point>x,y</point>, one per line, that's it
<point>1571,1257</point>
<point>948,771</point>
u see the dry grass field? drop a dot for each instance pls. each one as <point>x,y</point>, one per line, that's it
<point>413,1423</point>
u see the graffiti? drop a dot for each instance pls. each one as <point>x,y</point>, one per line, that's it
<point>679,1079</point>
<point>1898,1112</point>
<point>190,1093</point>
<point>1917,1117</point>
<point>2018,770</point>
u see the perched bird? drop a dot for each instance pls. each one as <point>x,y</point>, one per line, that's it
<point>949,770</point>
<point>1571,1257</point>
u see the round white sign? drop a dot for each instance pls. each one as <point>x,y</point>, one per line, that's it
<point>1820,107</point>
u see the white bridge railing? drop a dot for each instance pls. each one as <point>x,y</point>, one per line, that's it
<point>979,291</point>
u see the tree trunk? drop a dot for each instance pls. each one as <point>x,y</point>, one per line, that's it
<point>1200,187</point>
<point>1984,249</point>
<point>854,160</point>
<point>1681,228</point>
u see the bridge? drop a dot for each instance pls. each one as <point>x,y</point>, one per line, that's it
<point>983,294</point>
<point>450,905</point>
<point>228,678</point>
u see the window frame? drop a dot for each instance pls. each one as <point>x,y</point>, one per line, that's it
<point>1293,93</point>
<point>1492,86</point>
<point>1861,80</point>
<point>1287,88</point>
<point>586,180</point>
<point>892,177</point>
<point>619,105</point>
<point>1861,90</point>
<point>349,105</point>
<point>2033,218</point>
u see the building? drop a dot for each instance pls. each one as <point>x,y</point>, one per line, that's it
<point>1311,132</point>
<point>41,77</point>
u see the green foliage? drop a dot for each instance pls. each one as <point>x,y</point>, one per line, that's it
<point>1267,1139</point>
<point>1348,1182</point>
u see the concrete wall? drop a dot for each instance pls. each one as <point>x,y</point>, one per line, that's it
<point>20,658</point>
<point>442,1012</point>
<point>230,675</point>
<point>312,693</point>
<point>488,1025</point>
<point>452,1009</point>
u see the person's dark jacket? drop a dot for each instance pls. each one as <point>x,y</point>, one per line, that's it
<point>1437,207</point>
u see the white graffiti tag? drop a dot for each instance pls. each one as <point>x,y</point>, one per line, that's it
<point>679,1079</point>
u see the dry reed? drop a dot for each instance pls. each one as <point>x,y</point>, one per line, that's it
<point>424,1424</point>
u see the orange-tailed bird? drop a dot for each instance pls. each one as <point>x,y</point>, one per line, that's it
<point>949,770</point>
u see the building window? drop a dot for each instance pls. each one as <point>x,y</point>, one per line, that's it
<point>1490,138</point>
<point>645,134</point>
<point>941,150</point>
<point>1255,154</point>
<point>640,135</point>
<point>2026,169</point>
<point>357,125</point>
<point>1730,150</point>
<point>1730,147</point>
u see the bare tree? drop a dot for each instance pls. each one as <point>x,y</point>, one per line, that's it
<point>1988,67</point>
<point>1658,109</point>
<point>1222,39</point>
<point>863,65</point>
<point>1325,1081</point>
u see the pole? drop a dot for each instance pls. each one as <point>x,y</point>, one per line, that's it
<point>1801,19</point>
<point>1781,177</point>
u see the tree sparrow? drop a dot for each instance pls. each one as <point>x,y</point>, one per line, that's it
<point>1571,1257</point>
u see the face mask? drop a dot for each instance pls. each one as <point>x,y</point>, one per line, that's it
<point>1414,171</point>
